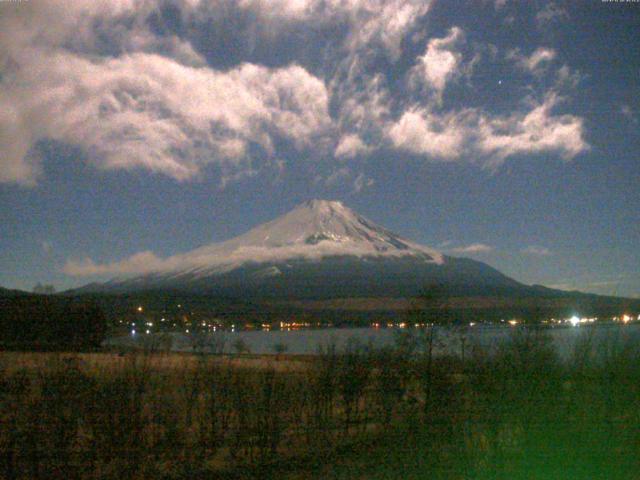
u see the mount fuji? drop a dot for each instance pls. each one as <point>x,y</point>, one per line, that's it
<point>320,249</point>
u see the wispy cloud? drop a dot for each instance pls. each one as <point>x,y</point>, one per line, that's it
<point>550,14</point>
<point>535,63</point>
<point>226,256</point>
<point>499,4</point>
<point>143,262</point>
<point>472,248</point>
<point>46,246</point>
<point>362,182</point>
<point>628,113</point>
<point>618,284</point>
<point>537,251</point>
<point>337,176</point>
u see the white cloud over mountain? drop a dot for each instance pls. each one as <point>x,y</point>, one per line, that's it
<point>472,248</point>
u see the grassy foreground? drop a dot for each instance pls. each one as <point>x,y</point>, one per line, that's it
<point>517,412</point>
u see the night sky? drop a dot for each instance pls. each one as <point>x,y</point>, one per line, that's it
<point>503,131</point>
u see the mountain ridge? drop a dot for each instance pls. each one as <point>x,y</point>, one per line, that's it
<point>319,250</point>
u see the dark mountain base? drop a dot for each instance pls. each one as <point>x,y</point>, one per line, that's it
<point>332,277</point>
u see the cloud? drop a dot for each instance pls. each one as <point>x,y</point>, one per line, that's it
<point>440,62</point>
<point>47,247</point>
<point>627,112</point>
<point>550,14</point>
<point>136,87</point>
<point>370,23</point>
<point>499,4</point>
<point>473,248</point>
<point>535,131</point>
<point>567,79</point>
<point>95,28</point>
<point>535,63</point>
<point>361,182</point>
<point>148,111</point>
<point>282,10</point>
<point>363,103</point>
<point>358,90</point>
<point>143,262</point>
<point>423,132</point>
<point>488,139</point>
<point>606,287</point>
<point>115,79</point>
<point>351,146</point>
<point>383,22</point>
<point>344,176</point>
<point>537,251</point>
<point>337,176</point>
<point>225,256</point>
<point>620,284</point>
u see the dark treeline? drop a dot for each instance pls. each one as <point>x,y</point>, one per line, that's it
<point>400,412</point>
<point>434,304</point>
<point>46,322</point>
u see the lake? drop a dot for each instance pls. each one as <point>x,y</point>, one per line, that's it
<point>308,342</point>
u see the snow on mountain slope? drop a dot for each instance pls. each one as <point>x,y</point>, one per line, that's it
<point>320,249</point>
<point>311,231</point>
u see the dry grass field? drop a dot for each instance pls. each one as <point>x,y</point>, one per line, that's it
<point>392,413</point>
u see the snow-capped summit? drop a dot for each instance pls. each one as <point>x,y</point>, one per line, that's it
<point>312,230</point>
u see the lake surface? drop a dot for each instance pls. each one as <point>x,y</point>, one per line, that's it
<point>308,342</point>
